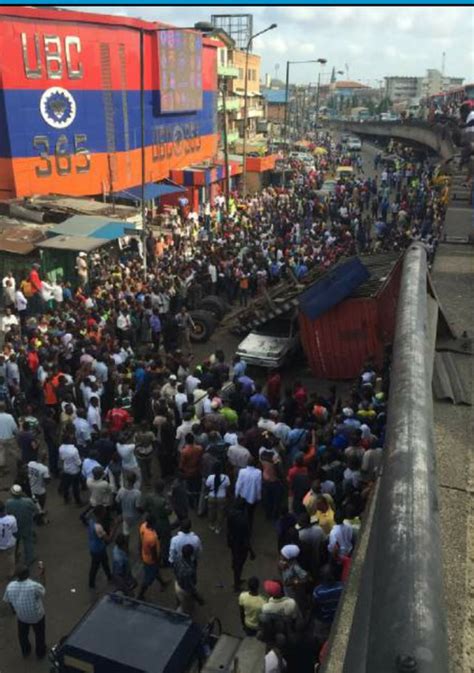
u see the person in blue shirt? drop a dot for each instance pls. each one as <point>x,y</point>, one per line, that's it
<point>259,401</point>
<point>238,366</point>
<point>326,596</point>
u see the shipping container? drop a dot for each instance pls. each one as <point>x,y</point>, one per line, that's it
<point>339,341</point>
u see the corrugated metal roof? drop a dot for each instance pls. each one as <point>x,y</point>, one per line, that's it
<point>448,382</point>
<point>17,238</point>
<point>275,96</point>
<point>153,190</point>
<point>74,243</point>
<point>91,225</point>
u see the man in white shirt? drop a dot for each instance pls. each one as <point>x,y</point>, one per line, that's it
<point>249,487</point>
<point>71,470</point>
<point>57,292</point>
<point>21,303</point>
<point>93,414</point>
<point>192,382</point>
<point>8,530</point>
<point>8,431</point>
<point>83,431</point>
<point>180,400</point>
<point>38,477</point>
<point>7,320</point>
<point>341,536</point>
<point>126,451</point>
<point>183,537</point>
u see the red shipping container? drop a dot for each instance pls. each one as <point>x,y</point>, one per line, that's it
<point>338,342</point>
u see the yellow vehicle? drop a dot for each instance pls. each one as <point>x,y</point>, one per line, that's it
<point>344,172</point>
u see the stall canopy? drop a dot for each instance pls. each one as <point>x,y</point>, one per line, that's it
<point>153,190</point>
<point>93,226</point>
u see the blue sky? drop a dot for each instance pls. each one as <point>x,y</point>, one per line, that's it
<point>371,41</point>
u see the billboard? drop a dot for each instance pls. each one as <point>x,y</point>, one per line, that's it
<point>180,59</point>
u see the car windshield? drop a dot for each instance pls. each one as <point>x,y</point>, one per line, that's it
<point>278,327</point>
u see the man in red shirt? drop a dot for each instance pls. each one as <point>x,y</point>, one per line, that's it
<point>274,389</point>
<point>36,285</point>
<point>190,466</point>
<point>118,419</point>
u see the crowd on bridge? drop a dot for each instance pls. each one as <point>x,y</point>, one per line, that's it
<point>100,394</point>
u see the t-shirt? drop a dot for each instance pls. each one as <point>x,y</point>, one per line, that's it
<point>274,664</point>
<point>71,459</point>
<point>252,606</point>
<point>223,486</point>
<point>150,545</point>
<point>8,527</point>
<point>129,498</point>
<point>100,492</point>
<point>37,474</point>
<point>127,454</point>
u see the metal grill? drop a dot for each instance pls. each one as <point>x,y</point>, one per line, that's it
<point>107,96</point>
<point>126,129</point>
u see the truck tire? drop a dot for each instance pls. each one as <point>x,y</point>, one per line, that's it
<point>205,324</point>
<point>215,305</point>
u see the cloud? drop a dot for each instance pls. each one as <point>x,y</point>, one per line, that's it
<point>374,41</point>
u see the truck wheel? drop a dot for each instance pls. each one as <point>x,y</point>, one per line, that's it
<point>215,305</point>
<point>204,325</point>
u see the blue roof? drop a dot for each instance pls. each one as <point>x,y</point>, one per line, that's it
<point>93,226</point>
<point>274,95</point>
<point>339,283</point>
<point>153,190</point>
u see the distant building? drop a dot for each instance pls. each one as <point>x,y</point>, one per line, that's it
<point>406,88</point>
<point>276,105</point>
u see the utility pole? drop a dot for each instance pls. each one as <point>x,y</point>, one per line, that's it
<point>226,145</point>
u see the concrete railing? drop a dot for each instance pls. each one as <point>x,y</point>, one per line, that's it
<point>394,618</point>
<point>435,136</point>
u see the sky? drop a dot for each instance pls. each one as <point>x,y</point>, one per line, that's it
<point>367,43</point>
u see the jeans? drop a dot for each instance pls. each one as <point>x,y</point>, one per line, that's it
<point>71,481</point>
<point>99,559</point>
<point>23,633</point>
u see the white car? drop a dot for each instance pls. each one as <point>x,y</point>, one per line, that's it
<point>270,345</point>
<point>354,145</point>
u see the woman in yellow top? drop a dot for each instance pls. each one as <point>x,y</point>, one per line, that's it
<point>324,513</point>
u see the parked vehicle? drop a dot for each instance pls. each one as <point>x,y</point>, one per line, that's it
<point>272,344</point>
<point>328,188</point>
<point>120,634</point>
<point>354,145</point>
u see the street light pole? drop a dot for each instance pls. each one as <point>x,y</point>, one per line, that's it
<point>321,61</point>
<point>246,85</point>
<point>226,146</point>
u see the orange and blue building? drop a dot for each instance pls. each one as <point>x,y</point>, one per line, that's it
<point>71,87</point>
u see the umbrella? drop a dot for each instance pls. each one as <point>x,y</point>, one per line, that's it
<point>320,150</point>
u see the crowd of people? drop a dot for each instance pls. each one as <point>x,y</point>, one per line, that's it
<point>100,392</point>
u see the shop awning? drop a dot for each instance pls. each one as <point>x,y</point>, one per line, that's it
<point>153,190</point>
<point>93,227</point>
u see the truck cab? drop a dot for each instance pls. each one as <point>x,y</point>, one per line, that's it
<point>123,635</point>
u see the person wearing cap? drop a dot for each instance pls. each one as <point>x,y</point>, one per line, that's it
<point>169,390</point>
<point>81,268</point>
<point>24,511</point>
<point>278,605</point>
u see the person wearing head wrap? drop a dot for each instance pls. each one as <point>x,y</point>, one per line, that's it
<point>295,579</point>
